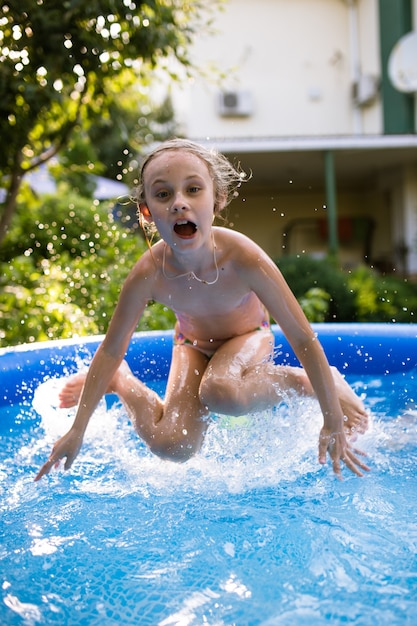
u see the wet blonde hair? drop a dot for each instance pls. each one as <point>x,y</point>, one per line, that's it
<point>226,178</point>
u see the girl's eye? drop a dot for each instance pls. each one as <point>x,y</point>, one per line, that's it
<point>194,189</point>
<point>161,194</point>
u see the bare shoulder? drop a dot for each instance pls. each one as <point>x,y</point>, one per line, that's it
<point>146,270</point>
<point>240,248</point>
<point>227,236</point>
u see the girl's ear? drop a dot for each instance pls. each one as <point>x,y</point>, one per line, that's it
<point>220,203</point>
<point>145,212</point>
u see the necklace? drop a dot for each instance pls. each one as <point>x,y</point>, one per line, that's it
<point>191,275</point>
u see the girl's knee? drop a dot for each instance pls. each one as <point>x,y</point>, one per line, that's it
<point>177,447</point>
<point>219,395</point>
<point>176,452</point>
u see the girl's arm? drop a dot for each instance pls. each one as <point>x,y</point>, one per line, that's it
<point>133,299</point>
<point>268,283</point>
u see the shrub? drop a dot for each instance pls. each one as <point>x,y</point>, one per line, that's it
<point>382,298</point>
<point>64,262</point>
<point>360,295</point>
<point>315,304</point>
<point>65,258</point>
<point>303,273</point>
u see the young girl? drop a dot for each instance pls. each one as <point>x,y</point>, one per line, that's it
<point>222,287</point>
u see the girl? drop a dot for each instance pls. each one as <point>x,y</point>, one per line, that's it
<point>222,288</point>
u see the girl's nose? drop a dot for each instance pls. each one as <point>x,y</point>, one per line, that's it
<point>178,204</point>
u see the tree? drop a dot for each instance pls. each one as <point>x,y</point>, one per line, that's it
<point>57,62</point>
<point>132,120</point>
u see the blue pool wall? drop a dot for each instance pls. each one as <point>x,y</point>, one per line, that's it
<point>374,349</point>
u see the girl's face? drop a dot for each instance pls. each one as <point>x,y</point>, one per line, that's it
<point>179,198</point>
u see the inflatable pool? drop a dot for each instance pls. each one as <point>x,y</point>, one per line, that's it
<point>353,348</point>
<point>250,532</point>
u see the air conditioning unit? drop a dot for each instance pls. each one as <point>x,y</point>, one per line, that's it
<point>365,89</point>
<point>235,104</point>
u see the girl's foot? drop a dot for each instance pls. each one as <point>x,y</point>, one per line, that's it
<point>71,391</point>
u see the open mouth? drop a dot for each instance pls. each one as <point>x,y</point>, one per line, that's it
<point>184,228</point>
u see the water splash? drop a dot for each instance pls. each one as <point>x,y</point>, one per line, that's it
<point>238,453</point>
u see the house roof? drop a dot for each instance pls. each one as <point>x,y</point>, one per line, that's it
<point>359,159</point>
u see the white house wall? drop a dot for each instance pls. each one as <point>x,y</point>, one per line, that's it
<point>299,60</point>
<point>296,59</point>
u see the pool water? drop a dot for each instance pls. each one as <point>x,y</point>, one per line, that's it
<point>251,532</point>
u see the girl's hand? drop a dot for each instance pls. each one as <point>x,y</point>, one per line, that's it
<point>67,446</point>
<point>340,450</point>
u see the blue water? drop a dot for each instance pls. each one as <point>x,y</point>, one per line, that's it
<point>252,531</point>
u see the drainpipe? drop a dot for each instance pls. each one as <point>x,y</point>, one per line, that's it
<point>331,203</point>
<point>355,61</point>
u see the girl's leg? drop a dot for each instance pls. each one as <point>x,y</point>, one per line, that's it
<point>241,377</point>
<point>173,429</point>
<point>180,430</point>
